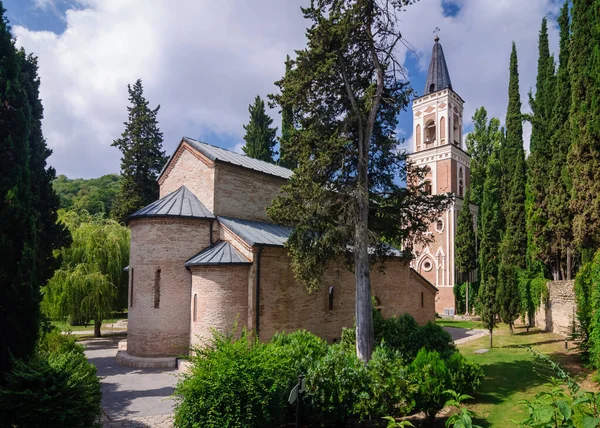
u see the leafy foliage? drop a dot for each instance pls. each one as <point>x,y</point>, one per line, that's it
<point>465,258</point>
<point>56,387</point>
<point>142,155</point>
<point>95,195</point>
<point>460,297</point>
<point>287,129</point>
<point>464,417</point>
<point>260,137</point>
<point>90,283</point>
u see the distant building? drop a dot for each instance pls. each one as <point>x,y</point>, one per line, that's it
<point>437,131</point>
<point>205,256</point>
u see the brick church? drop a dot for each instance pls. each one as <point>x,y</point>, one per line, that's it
<point>206,256</point>
<point>438,145</point>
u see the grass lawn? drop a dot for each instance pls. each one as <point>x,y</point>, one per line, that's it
<point>64,326</point>
<point>511,375</point>
<point>458,323</point>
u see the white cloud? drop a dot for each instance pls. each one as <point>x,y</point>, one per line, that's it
<point>205,61</point>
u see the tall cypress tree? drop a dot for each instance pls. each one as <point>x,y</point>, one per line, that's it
<point>560,216</point>
<point>260,137</point>
<point>142,155</point>
<point>584,156</point>
<point>19,294</point>
<point>513,201</point>
<point>466,243</point>
<point>491,235</point>
<point>538,231</point>
<point>286,156</point>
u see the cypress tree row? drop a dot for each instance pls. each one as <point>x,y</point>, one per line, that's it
<point>584,156</point>
<point>466,245</point>
<point>260,137</point>
<point>538,233</point>
<point>560,216</point>
<point>513,202</point>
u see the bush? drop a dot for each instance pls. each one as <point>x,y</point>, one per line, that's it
<point>56,387</point>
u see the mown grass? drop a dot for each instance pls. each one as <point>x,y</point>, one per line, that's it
<point>64,326</point>
<point>459,323</point>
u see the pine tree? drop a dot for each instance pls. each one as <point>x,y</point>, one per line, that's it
<point>142,155</point>
<point>260,137</point>
<point>513,201</point>
<point>560,217</point>
<point>584,156</point>
<point>466,243</point>
<point>538,231</point>
<point>346,96</point>
<point>490,231</point>
<point>19,293</point>
<point>286,156</point>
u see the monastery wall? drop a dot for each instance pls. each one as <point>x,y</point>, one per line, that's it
<point>558,311</point>
<point>160,285</point>
<point>243,193</point>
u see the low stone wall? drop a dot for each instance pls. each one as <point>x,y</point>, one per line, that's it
<point>556,313</point>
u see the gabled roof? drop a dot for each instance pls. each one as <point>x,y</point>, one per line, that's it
<point>180,203</point>
<point>220,253</point>
<point>256,232</point>
<point>222,155</point>
<point>438,77</point>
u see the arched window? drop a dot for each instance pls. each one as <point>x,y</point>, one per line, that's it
<point>157,288</point>
<point>131,288</point>
<point>331,289</point>
<point>418,137</point>
<point>430,132</point>
<point>460,182</point>
<point>456,130</point>
<point>442,129</point>
<point>422,299</point>
<point>432,87</point>
<point>439,225</point>
<point>427,187</point>
<point>427,265</point>
<point>195,308</point>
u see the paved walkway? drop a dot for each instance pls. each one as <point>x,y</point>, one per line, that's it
<point>131,397</point>
<point>462,335</point>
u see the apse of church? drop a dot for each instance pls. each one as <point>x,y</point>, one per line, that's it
<point>438,145</point>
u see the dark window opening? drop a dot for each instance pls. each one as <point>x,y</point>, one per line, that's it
<point>422,299</point>
<point>157,288</point>
<point>440,224</point>
<point>331,289</point>
<point>131,288</point>
<point>427,188</point>
<point>195,307</point>
<point>432,87</point>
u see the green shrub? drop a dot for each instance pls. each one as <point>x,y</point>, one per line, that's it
<point>464,376</point>
<point>57,387</point>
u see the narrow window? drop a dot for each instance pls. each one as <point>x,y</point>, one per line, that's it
<point>432,87</point>
<point>131,287</point>
<point>157,288</point>
<point>422,299</point>
<point>195,307</point>
<point>427,187</point>
<point>331,298</point>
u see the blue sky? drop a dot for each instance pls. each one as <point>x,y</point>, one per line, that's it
<point>205,61</point>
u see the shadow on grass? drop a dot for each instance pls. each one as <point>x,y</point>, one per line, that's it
<point>538,343</point>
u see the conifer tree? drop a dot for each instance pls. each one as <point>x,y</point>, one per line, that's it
<point>142,155</point>
<point>287,127</point>
<point>260,137</point>
<point>584,156</point>
<point>19,293</point>
<point>538,231</point>
<point>466,244</point>
<point>514,241</point>
<point>490,232</point>
<point>560,216</point>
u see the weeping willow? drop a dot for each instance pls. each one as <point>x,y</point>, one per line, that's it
<point>91,282</point>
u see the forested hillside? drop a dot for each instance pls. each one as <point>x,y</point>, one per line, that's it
<point>95,195</point>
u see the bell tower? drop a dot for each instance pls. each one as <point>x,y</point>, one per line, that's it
<point>437,145</point>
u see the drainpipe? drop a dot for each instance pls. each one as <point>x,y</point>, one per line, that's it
<point>257,303</point>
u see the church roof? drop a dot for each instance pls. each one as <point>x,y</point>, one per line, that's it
<point>220,253</point>
<point>219,154</point>
<point>438,77</point>
<point>180,203</point>
<point>256,232</point>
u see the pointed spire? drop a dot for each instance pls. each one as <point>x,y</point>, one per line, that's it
<point>438,77</point>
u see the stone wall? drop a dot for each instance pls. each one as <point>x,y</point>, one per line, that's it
<point>557,313</point>
<point>159,325</point>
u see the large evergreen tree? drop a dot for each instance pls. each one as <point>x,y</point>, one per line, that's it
<point>514,241</point>
<point>344,199</point>
<point>287,128</point>
<point>538,171</point>
<point>491,235</point>
<point>142,155</point>
<point>560,216</point>
<point>19,293</point>
<point>584,156</point>
<point>466,244</point>
<point>260,137</point>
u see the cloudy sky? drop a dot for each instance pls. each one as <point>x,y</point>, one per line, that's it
<point>204,61</point>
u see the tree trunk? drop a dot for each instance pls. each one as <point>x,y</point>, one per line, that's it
<point>467,298</point>
<point>364,310</point>
<point>569,268</point>
<point>97,325</point>
<point>491,342</point>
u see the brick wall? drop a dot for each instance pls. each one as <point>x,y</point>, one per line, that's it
<point>220,294</point>
<point>191,169</point>
<point>243,193</point>
<point>163,244</point>
<point>557,313</point>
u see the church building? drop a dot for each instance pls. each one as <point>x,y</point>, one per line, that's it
<point>438,145</point>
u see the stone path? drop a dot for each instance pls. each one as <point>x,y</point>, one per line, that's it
<point>462,335</point>
<point>131,397</point>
